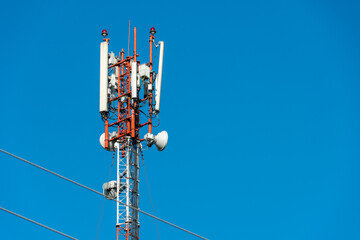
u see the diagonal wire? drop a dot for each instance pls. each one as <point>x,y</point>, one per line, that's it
<point>148,185</point>
<point>102,208</point>
<point>39,224</point>
<point>99,193</point>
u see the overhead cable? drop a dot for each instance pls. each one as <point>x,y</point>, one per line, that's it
<point>39,224</point>
<point>99,193</point>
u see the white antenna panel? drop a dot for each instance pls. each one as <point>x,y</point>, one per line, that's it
<point>104,62</point>
<point>133,80</point>
<point>159,77</point>
<point>144,71</point>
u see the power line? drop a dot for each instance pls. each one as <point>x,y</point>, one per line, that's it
<point>39,224</point>
<point>99,193</point>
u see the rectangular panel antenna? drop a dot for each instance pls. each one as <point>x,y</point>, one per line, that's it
<point>159,78</point>
<point>104,76</point>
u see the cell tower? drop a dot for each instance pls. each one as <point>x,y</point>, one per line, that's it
<point>127,90</point>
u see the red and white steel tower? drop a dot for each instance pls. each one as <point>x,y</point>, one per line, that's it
<point>129,90</point>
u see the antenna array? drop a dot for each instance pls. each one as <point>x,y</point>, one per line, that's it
<point>128,88</point>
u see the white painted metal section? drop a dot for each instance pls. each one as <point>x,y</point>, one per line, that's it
<point>121,184</point>
<point>104,76</point>
<point>133,80</point>
<point>159,77</point>
<point>112,58</point>
<point>118,183</point>
<point>128,149</point>
<point>113,81</point>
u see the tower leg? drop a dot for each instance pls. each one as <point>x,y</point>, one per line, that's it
<point>123,190</point>
<point>134,190</point>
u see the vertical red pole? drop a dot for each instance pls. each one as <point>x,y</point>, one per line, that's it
<point>106,133</point>
<point>123,124</point>
<point>128,99</point>
<point>127,231</point>
<point>118,101</point>
<point>150,82</point>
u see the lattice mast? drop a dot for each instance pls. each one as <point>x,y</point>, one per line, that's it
<point>128,89</point>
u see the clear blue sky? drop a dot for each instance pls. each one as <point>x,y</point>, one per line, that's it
<point>260,99</point>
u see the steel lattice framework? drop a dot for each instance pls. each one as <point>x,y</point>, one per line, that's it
<point>127,220</point>
<point>121,114</point>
